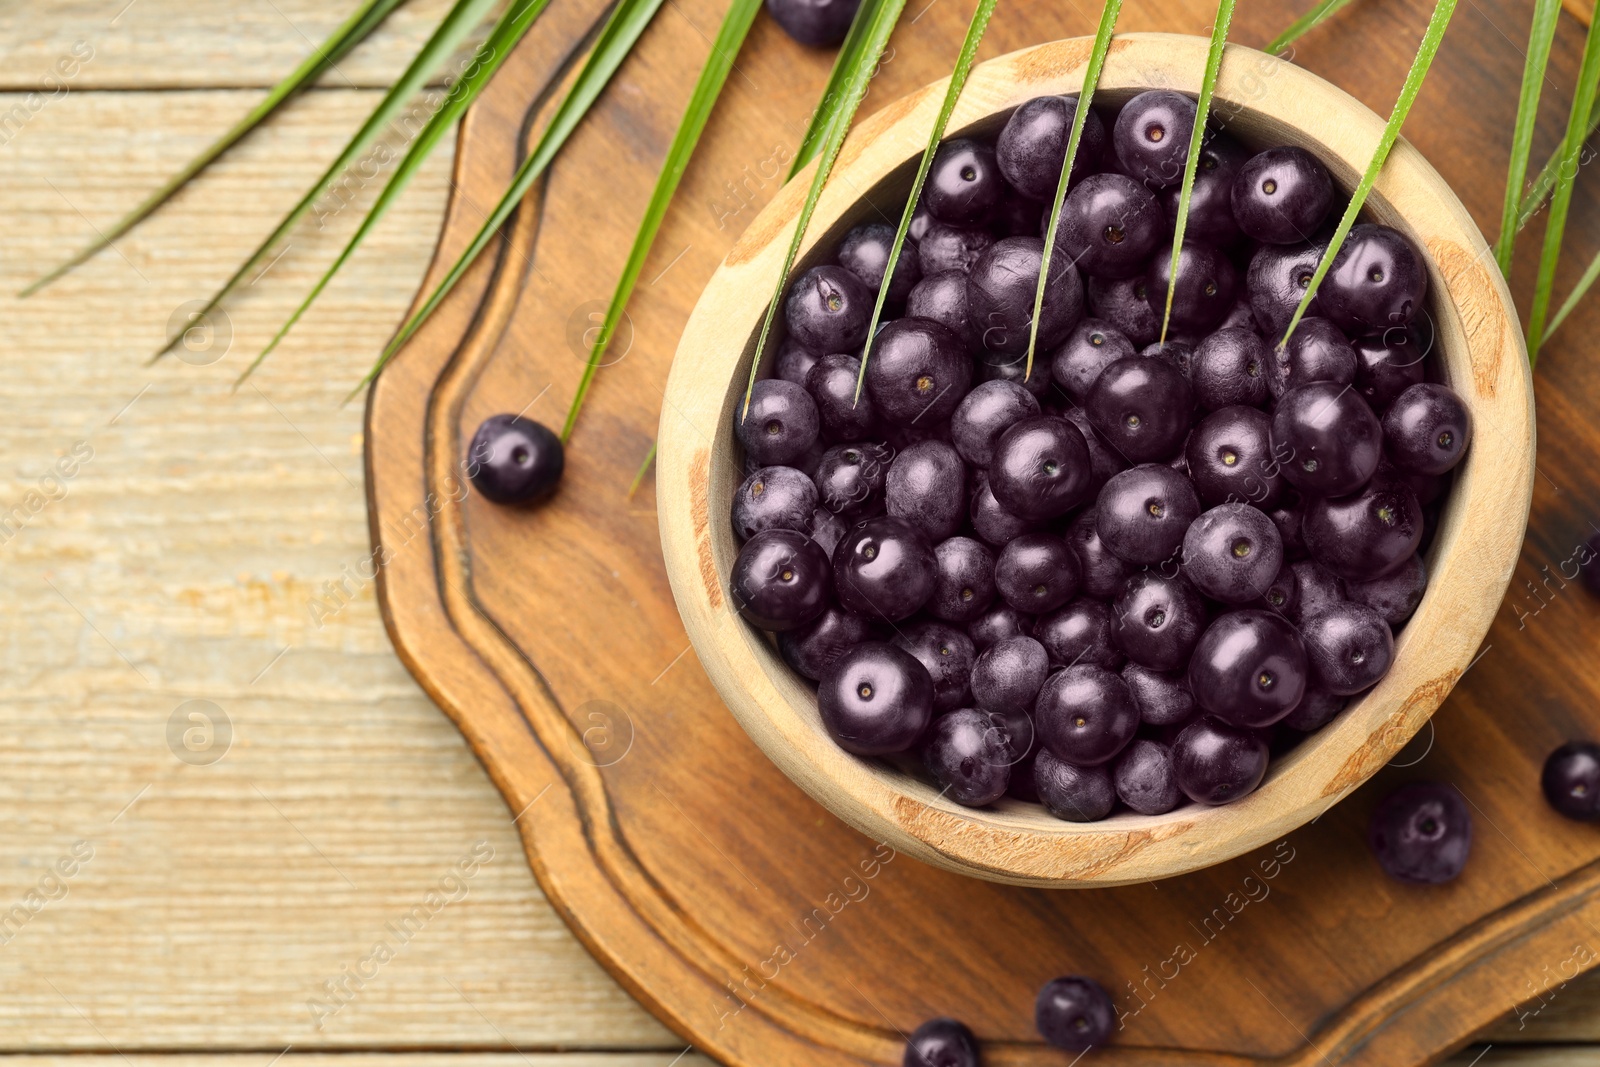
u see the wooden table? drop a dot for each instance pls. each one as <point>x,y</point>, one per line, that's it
<point>207,548</point>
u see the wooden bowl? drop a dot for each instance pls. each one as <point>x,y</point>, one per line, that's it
<point>1262,101</point>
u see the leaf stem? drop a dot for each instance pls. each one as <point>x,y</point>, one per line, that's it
<point>1540,36</point>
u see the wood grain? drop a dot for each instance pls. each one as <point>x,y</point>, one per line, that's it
<point>690,863</point>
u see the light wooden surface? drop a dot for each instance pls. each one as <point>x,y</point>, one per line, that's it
<point>1469,566</point>
<point>216,902</point>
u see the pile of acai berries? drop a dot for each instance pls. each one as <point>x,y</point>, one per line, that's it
<point>1137,571</point>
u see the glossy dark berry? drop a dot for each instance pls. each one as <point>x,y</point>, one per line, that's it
<point>1037,573</point>
<point>1421,833</point>
<point>918,372</point>
<point>927,487</point>
<point>941,1043</point>
<point>1077,634</point>
<point>1211,199</point>
<point>1156,620</point>
<point>1350,647</point>
<point>1103,572</point>
<point>1316,709</point>
<point>1033,145</point>
<point>993,522</point>
<point>1427,429</point>
<point>1396,595</point>
<point>969,759</point>
<point>513,460</point>
<point>864,252</point>
<point>1004,367</point>
<point>964,184</point>
<point>1142,513</point>
<point>1163,698</point>
<point>963,586</point>
<point>780,580</point>
<point>818,23</point>
<point>998,623</point>
<point>1142,407</point>
<point>1018,216</point>
<point>1074,1013</point>
<point>1174,350</point>
<point>812,649</point>
<point>827,309</point>
<point>1001,287</point>
<point>1232,553</point>
<point>1377,280</point>
<point>774,498</point>
<point>841,414</point>
<point>1085,715</point>
<point>1040,468</point>
<point>1230,459</point>
<point>988,411</point>
<point>1282,596</point>
<point>1215,763</point>
<point>946,653</point>
<point>1327,438</point>
<point>1249,669</point>
<point>1319,588</point>
<point>1104,461</point>
<point>1145,778</point>
<point>1571,780</point>
<point>884,569</point>
<point>1368,534</point>
<point>1076,794</point>
<point>941,297</point>
<point>1387,364</point>
<point>1125,304</point>
<point>1277,280</point>
<point>1091,347</point>
<point>780,425</point>
<point>794,361</point>
<point>1151,137</point>
<point>945,247</point>
<point>1230,367</point>
<point>1008,674</point>
<point>1207,285</point>
<point>1282,195</point>
<point>827,530</point>
<point>875,699</point>
<point>1109,225</point>
<point>850,478</point>
<point>1317,352</point>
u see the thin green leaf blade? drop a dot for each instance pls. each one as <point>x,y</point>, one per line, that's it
<point>833,93</point>
<point>1590,273</point>
<point>1541,185</point>
<point>1561,196</point>
<point>976,27</point>
<point>884,17</point>
<point>510,29</point>
<point>735,25</point>
<point>457,23</point>
<point>1320,11</point>
<point>1438,22</point>
<point>627,21</point>
<point>1208,88</point>
<point>1091,79</point>
<point>1540,37</point>
<point>644,468</point>
<point>350,33</point>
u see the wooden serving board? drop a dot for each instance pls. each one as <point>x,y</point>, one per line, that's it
<point>759,927</point>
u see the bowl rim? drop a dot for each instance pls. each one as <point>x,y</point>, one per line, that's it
<point>1471,562</point>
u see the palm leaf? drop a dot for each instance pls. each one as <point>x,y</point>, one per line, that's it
<point>1319,11</point>
<point>352,32</point>
<point>511,27</point>
<point>1437,24</point>
<point>883,16</point>
<point>846,61</point>
<point>1091,78</point>
<point>457,23</point>
<point>1208,88</point>
<point>958,80</point>
<point>1561,195</point>
<point>1540,36</point>
<point>627,21</point>
<point>735,25</point>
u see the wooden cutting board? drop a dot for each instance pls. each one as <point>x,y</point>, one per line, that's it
<point>755,924</point>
